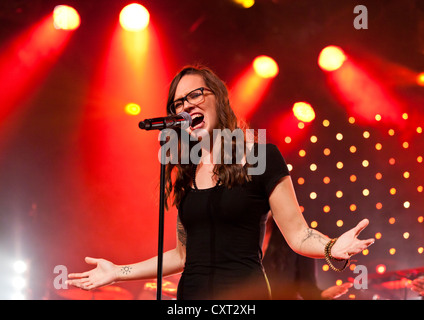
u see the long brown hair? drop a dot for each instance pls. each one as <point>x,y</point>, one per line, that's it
<point>179,176</point>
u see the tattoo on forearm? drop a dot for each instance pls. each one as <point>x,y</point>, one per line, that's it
<point>182,236</point>
<point>313,234</point>
<point>126,269</point>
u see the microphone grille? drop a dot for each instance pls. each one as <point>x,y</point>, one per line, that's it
<point>186,117</point>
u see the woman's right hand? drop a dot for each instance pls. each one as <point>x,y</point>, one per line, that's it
<point>103,274</point>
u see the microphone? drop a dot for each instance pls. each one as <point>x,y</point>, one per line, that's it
<point>173,121</point>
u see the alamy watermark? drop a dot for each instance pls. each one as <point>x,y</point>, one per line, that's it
<point>361,20</point>
<point>219,149</point>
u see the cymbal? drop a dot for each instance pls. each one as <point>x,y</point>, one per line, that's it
<point>104,293</point>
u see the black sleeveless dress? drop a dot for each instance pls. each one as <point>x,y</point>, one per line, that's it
<point>225,229</point>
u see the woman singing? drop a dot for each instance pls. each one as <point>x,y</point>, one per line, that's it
<point>222,210</point>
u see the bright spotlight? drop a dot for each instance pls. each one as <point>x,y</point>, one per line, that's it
<point>132,109</point>
<point>20,266</point>
<point>303,111</point>
<point>265,67</point>
<point>245,3</point>
<point>420,79</point>
<point>331,58</point>
<point>134,17</point>
<point>19,283</point>
<point>66,18</point>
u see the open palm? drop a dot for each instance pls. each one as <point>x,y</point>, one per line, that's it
<point>103,274</point>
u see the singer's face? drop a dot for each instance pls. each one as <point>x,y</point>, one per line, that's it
<point>204,113</point>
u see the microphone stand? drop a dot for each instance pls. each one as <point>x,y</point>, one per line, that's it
<point>161,220</point>
<point>160,124</point>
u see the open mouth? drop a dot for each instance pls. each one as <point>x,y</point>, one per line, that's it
<point>197,119</point>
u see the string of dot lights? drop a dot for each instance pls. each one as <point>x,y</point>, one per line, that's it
<point>345,171</point>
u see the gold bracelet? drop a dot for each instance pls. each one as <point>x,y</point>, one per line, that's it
<point>328,256</point>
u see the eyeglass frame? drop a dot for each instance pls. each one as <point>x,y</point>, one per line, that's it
<point>183,99</point>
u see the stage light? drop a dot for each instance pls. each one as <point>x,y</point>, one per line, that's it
<point>265,67</point>
<point>420,79</point>
<point>20,266</point>
<point>132,109</point>
<point>134,17</point>
<point>245,3</point>
<point>66,18</point>
<point>303,111</point>
<point>19,283</point>
<point>331,58</point>
<point>380,269</point>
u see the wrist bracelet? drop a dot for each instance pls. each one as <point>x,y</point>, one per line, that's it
<point>329,257</point>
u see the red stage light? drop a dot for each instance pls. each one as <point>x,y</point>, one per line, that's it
<point>331,58</point>
<point>420,79</point>
<point>303,111</point>
<point>380,269</point>
<point>265,67</point>
<point>134,17</point>
<point>66,18</point>
<point>26,60</point>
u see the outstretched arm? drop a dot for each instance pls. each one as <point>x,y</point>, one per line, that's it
<point>106,272</point>
<point>304,240</point>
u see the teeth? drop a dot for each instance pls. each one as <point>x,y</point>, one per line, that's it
<point>197,115</point>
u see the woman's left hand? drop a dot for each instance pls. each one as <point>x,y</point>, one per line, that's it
<point>348,243</point>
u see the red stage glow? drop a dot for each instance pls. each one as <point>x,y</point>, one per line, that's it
<point>121,166</point>
<point>250,88</point>
<point>26,61</point>
<point>363,96</point>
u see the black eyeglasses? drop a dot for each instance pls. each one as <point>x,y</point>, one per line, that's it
<point>193,97</point>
